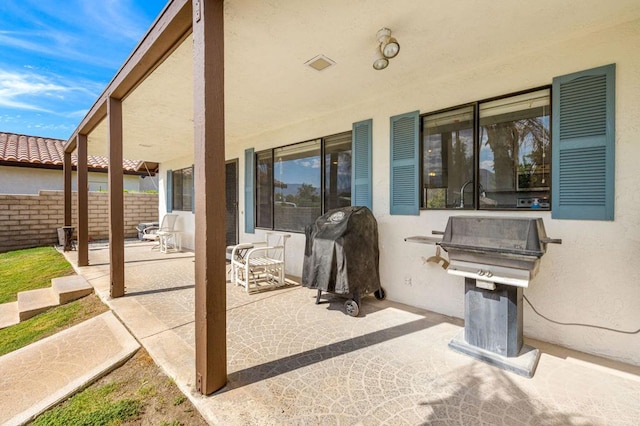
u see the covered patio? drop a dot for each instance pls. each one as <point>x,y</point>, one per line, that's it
<point>215,83</point>
<point>294,362</point>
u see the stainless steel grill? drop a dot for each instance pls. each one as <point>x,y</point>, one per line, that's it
<point>498,257</point>
<point>494,249</point>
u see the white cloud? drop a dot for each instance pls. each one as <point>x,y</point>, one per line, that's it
<point>41,126</point>
<point>313,163</point>
<point>486,165</point>
<point>117,18</point>
<point>14,86</point>
<point>76,114</point>
<point>17,40</point>
<point>83,31</point>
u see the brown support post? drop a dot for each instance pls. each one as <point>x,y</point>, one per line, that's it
<point>67,166</point>
<point>83,202</point>
<point>116,198</point>
<point>210,267</point>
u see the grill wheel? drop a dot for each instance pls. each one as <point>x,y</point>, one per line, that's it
<point>351,306</point>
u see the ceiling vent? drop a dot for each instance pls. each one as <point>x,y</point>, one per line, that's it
<point>320,63</point>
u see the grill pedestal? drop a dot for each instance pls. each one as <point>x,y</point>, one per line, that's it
<point>493,328</point>
<point>493,319</point>
<point>524,364</point>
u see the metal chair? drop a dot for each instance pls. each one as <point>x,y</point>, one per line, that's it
<point>161,233</point>
<point>257,266</point>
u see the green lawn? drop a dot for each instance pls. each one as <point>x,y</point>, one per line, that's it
<point>94,406</point>
<point>30,269</point>
<point>49,322</point>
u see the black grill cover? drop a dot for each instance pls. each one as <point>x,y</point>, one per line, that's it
<point>341,253</point>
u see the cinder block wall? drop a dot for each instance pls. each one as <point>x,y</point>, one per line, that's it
<point>32,220</point>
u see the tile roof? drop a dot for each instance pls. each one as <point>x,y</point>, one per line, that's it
<point>38,150</point>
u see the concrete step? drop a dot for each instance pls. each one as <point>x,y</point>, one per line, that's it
<point>70,288</point>
<point>9,314</point>
<point>33,302</point>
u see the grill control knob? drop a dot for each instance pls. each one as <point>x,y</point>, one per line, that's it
<point>489,274</point>
<point>481,272</point>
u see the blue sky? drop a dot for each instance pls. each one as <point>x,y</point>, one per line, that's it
<point>57,56</point>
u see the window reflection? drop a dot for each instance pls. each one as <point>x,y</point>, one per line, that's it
<point>337,171</point>
<point>297,201</point>
<point>448,159</point>
<point>264,189</point>
<point>182,190</point>
<point>515,151</point>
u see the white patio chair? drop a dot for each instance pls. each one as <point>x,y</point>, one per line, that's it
<point>257,266</point>
<point>161,233</point>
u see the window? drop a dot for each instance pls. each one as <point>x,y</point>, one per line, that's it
<point>448,158</point>
<point>296,186</point>
<point>337,171</point>
<point>182,189</point>
<point>489,155</point>
<point>297,183</point>
<point>264,189</point>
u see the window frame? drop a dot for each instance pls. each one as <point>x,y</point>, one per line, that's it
<point>476,152</point>
<point>174,205</point>
<point>271,151</point>
<point>256,185</point>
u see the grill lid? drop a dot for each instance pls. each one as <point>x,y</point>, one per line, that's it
<point>507,235</point>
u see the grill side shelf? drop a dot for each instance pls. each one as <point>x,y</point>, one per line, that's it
<point>421,239</point>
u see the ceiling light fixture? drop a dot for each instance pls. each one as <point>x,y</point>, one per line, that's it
<point>379,61</point>
<point>388,47</point>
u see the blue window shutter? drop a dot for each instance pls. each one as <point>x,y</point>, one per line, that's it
<point>584,145</point>
<point>361,145</point>
<point>405,168</point>
<point>249,191</point>
<point>193,188</point>
<point>169,191</point>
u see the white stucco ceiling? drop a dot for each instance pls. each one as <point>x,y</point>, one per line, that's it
<point>267,43</point>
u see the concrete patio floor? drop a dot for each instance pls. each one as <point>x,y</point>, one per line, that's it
<point>293,362</point>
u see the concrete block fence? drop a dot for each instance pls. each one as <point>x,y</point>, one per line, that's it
<point>32,220</point>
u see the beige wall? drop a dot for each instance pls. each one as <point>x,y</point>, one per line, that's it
<point>591,278</point>
<point>186,219</point>
<point>32,220</point>
<point>31,180</point>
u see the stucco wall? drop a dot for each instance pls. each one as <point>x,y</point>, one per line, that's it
<point>591,278</point>
<point>28,180</point>
<point>32,220</point>
<point>186,219</point>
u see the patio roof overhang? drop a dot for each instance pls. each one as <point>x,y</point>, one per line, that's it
<point>267,85</point>
<point>149,105</point>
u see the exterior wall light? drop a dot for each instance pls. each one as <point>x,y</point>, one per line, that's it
<point>379,61</point>
<point>388,47</point>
